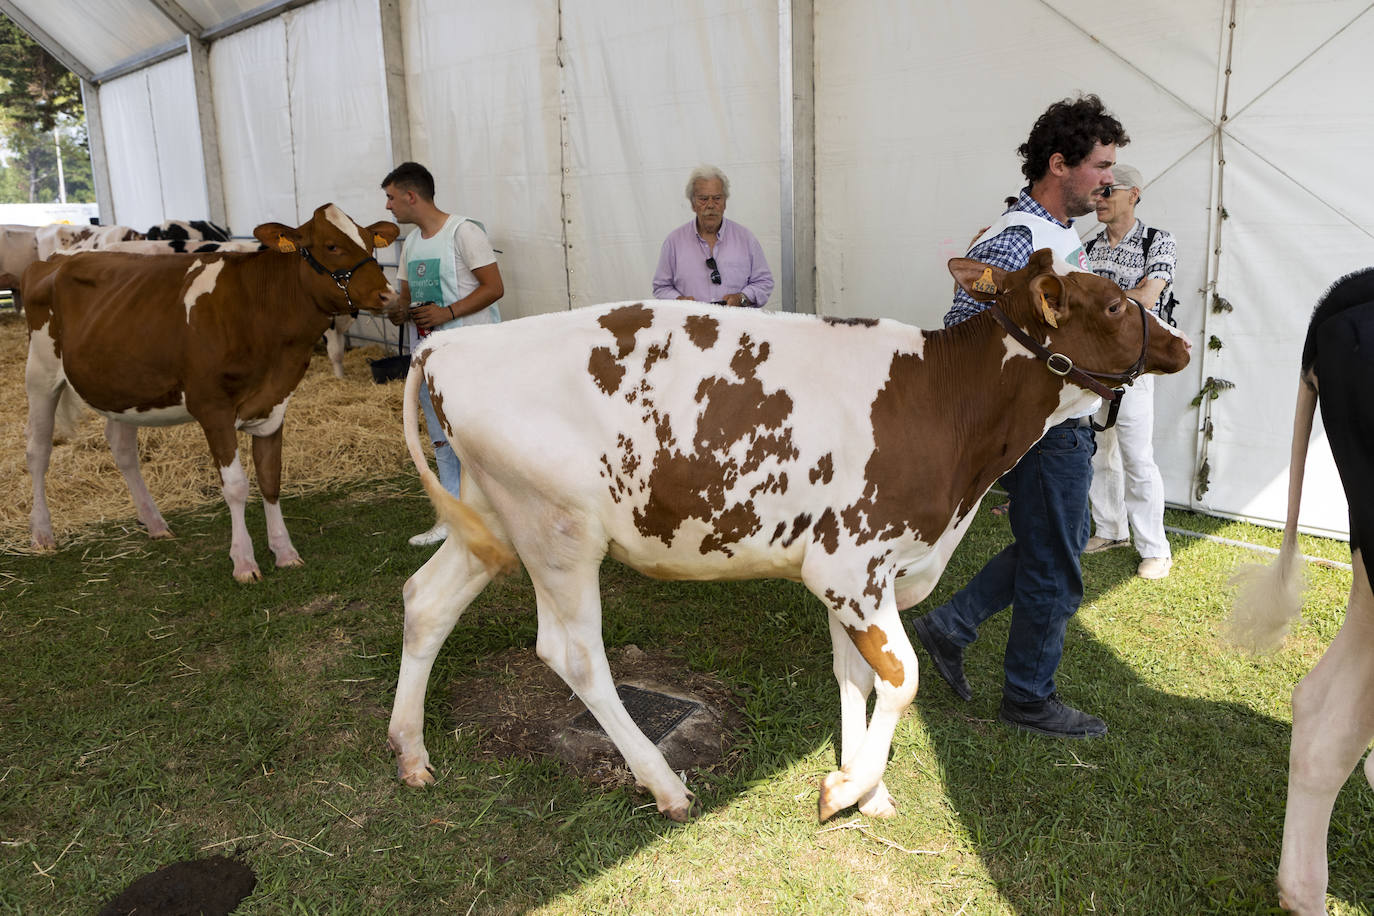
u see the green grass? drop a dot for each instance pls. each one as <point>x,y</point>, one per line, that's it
<point>152,710</point>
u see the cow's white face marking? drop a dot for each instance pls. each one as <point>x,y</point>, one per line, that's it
<point>346,226</point>
<point>202,284</point>
<point>265,426</point>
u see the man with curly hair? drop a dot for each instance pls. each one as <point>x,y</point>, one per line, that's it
<point>1066,160</point>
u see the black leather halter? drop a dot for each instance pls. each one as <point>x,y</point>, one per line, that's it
<point>341,278</point>
<point>1063,366</point>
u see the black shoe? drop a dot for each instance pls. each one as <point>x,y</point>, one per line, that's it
<point>1051,717</point>
<point>948,658</point>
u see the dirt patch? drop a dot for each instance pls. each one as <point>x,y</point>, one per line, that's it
<point>517,707</point>
<point>212,887</point>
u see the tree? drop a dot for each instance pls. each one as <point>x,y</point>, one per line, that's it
<point>41,117</point>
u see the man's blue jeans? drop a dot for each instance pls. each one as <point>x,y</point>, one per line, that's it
<point>449,467</point>
<point>1038,575</point>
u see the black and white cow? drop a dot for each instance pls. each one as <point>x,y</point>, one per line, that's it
<point>1333,707</point>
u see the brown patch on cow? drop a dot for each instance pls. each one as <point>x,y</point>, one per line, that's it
<point>731,526</point>
<point>826,531</point>
<point>824,469</point>
<point>799,524</point>
<point>778,532</point>
<point>605,370</point>
<point>851,322</point>
<point>656,352</point>
<point>702,330</point>
<point>625,322</point>
<point>871,642</point>
<point>695,485</point>
<point>436,399</point>
<point>877,580</point>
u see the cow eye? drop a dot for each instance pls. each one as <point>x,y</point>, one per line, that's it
<point>1115,307</point>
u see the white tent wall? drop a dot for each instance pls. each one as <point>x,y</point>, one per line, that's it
<point>917,123</point>
<point>152,139</point>
<point>651,91</point>
<point>482,82</point>
<point>301,107</point>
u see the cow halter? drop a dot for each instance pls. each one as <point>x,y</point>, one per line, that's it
<point>341,278</point>
<point>1063,366</point>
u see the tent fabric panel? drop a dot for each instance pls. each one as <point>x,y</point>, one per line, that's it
<point>102,33</point>
<point>651,93</point>
<point>337,105</point>
<point>180,157</point>
<point>249,83</point>
<point>482,84</point>
<point>131,144</point>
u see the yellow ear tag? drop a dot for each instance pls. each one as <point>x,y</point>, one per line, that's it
<point>286,245</point>
<point>984,283</point>
<point>379,242</point>
<point>1048,312</point>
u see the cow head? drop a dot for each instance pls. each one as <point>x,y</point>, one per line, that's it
<point>336,257</point>
<point>1077,314</point>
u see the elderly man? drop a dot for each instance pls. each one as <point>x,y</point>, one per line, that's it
<point>711,258</point>
<point>1127,486</point>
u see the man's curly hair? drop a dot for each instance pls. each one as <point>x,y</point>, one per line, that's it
<point>1071,127</point>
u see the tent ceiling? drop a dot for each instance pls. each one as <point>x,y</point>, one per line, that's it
<point>103,39</point>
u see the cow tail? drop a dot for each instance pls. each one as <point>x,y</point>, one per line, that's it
<point>1269,598</point>
<point>70,409</point>
<point>457,515</point>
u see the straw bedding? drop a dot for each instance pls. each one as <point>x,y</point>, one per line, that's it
<point>336,431</point>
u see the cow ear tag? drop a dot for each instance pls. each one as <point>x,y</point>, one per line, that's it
<point>984,284</point>
<point>1048,312</point>
<point>379,242</point>
<point>284,244</point>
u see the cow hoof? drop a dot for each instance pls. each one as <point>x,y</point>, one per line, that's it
<point>417,778</point>
<point>684,812</point>
<point>252,574</point>
<point>880,805</point>
<point>43,542</point>
<point>294,559</point>
<point>832,800</point>
<point>162,534</point>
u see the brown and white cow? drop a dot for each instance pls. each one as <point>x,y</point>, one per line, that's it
<point>693,442</point>
<point>1333,706</point>
<point>219,338</point>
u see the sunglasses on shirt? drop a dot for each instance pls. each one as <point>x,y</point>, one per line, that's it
<point>715,274</point>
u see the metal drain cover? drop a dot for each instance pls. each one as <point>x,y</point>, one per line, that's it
<point>656,714</point>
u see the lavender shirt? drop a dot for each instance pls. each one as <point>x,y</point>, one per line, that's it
<point>682,269</point>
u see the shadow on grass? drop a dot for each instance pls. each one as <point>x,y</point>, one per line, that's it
<point>1179,809</point>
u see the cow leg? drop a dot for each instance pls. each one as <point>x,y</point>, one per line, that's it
<point>855,678</point>
<point>435,598</point>
<point>1333,723</point>
<point>334,342</point>
<point>569,602</point>
<point>878,639</point>
<point>43,392</point>
<point>123,440</point>
<point>267,465</point>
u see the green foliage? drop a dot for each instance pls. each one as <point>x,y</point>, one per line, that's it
<point>40,109</point>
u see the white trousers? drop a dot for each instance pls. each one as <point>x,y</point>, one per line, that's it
<point>1127,486</point>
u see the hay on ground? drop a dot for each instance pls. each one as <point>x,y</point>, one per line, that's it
<point>336,431</point>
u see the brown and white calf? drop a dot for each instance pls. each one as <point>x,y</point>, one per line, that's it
<point>693,442</point>
<point>1333,706</point>
<point>218,338</point>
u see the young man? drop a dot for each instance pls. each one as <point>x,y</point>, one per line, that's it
<point>1127,485</point>
<point>1067,158</point>
<point>447,278</point>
